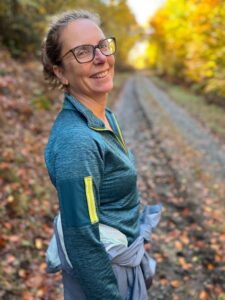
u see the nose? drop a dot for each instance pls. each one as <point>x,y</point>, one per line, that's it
<point>99,57</point>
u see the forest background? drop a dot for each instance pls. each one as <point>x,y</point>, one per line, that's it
<point>185,39</point>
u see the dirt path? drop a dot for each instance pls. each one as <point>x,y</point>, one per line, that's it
<point>188,245</point>
<point>199,137</point>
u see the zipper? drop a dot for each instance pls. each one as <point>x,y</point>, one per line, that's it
<point>119,139</point>
<point>120,133</point>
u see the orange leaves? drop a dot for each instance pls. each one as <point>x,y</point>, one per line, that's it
<point>2,242</point>
<point>175,297</point>
<point>210,266</point>
<point>175,284</point>
<point>35,281</point>
<point>178,246</point>
<point>212,2</point>
<point>4,166</point>
<point>203,295</point>
<point>27,206</point>
<point>184,238</point>
<point>27,296</point>
<point>184,264</point>
<point>222,238</point>
<point>14,238</point>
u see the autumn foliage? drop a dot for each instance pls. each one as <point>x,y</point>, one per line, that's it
<point>188,45</point>
<point>23,24</point>
<point>28,202</point>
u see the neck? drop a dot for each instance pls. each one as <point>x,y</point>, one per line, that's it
<point>97,105</point>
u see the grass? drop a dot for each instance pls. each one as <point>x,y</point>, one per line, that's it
<point>210,115</point>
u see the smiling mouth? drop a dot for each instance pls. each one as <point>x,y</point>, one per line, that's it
<point>100,75</point>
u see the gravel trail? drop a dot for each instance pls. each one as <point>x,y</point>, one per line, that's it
<point>187,269</point>
<point>213,153</point>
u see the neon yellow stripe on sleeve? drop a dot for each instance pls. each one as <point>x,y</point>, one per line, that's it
<point>90,199</point>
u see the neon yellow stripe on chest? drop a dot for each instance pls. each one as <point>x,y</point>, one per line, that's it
<point>90,199</point>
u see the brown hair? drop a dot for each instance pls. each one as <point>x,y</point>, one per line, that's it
<point>51,47</point>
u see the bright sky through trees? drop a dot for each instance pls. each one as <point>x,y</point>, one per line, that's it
<point>143,9</point>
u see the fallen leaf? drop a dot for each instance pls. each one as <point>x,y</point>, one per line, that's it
<point>35,281</point>
<point>163,281</point>
<point>175,297</point>
<point>22,273</point>
<point>175,283</point>
<point>203,295</point>
<point>178,245</point>
<point>38,243</point>
<point>210,266</point>
<point>27,296</point>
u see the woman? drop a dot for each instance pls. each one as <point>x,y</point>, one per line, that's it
<point>88,162</point>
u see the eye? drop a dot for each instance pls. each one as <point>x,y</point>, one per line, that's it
<point>107,46</point>
<point>104,44</point>
<point>83,51</point>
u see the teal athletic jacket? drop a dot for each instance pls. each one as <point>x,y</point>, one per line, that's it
<point>95,178</point>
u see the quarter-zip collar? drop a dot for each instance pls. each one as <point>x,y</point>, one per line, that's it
<point>94,122</point>
<point>70,103</point>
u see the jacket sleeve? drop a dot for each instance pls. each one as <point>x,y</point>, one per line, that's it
<point>79,168</point>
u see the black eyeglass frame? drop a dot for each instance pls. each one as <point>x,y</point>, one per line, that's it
<point>93,47</point>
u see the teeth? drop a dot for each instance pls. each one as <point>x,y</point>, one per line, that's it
<point>101,75</point>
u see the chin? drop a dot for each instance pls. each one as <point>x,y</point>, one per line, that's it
<point>104,89</point>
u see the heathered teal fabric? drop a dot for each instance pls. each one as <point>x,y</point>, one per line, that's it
<point>79,145</point>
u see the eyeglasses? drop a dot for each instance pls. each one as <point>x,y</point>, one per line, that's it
<point>86,53</point>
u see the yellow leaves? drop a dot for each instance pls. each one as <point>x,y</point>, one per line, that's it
<point>138,55</point>
<point>215,84</point>
<point>38,243</point>
<point>190,34</point>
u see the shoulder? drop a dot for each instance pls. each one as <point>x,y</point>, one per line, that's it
<point>70,134</point>
<point>68,120</point>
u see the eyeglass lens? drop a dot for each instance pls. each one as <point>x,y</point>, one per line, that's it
<point>86,53</point>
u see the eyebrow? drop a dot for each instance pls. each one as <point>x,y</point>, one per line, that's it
<point>90,44</point>
<point>81,46</point>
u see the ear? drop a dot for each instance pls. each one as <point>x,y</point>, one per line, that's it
<point>59,74</point>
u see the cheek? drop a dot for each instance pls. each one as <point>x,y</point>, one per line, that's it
<point>111,61</point>
<point>78,71</point>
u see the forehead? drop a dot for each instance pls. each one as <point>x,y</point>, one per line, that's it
<point>79,32</point>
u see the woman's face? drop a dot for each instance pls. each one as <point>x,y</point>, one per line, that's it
<point>93,79</point>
